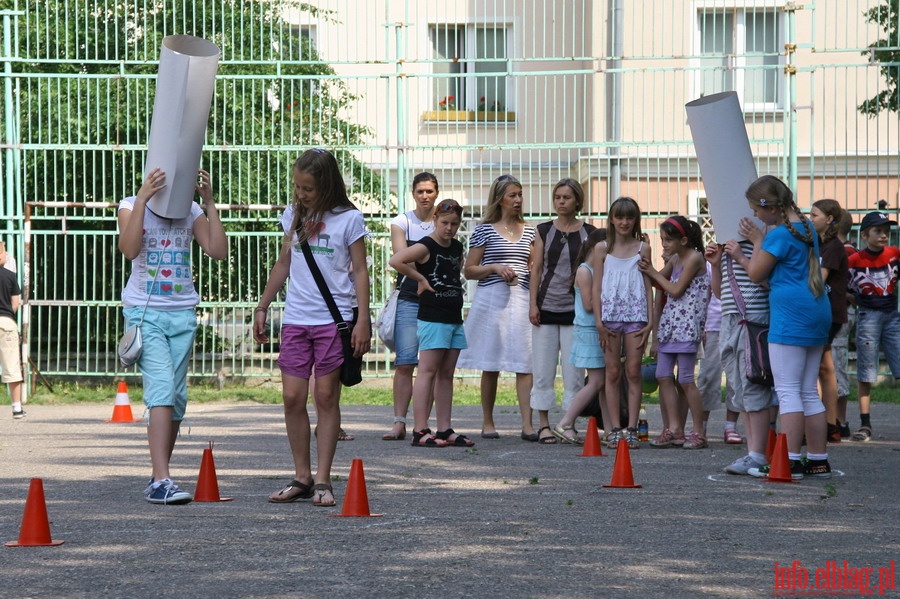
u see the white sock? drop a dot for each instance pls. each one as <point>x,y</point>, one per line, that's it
<point>816,456</point>
<point>729,426</point>
<point>17,407</point>
<point>759,458</point>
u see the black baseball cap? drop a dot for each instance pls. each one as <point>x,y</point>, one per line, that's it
<point>873,219</point>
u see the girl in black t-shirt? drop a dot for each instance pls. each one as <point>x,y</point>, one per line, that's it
<point>435,263</point>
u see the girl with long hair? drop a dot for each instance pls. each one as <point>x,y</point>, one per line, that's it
<point>322,216</point>
<point>622,297</point>
<point>788,257</point>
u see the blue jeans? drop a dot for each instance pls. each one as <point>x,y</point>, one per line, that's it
<point>406,326</point>
<point>168,338</point>
<point>875,328</point>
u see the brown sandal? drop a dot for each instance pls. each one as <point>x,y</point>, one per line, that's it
<point>320,489</point>
<point>285,495</point>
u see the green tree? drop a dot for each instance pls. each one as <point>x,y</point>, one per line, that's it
<point>85,90</point>
<point>886,51</point>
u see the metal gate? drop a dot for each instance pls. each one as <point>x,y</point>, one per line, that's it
<point>543,89</point>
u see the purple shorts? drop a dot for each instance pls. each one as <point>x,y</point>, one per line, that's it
<point>666,361</point>
<point>305,346</point>
<point>624,327</point>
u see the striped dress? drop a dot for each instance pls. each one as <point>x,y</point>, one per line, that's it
<point>497,326</point>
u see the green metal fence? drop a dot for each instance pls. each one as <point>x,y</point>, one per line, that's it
<point>543,89</point>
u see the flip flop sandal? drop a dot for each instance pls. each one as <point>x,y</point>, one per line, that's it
<point>304,491</point>
<point>320,489</point>
<point>549,440</point>
<point>560,433</point>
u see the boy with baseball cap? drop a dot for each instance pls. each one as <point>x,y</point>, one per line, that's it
<point>874,272</point>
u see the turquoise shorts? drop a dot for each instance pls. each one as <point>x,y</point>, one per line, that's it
<point>168,338</point>
<point>440,335</point>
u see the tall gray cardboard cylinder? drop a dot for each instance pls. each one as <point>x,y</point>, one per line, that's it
<point>726,162</point>
<point>184,91</point>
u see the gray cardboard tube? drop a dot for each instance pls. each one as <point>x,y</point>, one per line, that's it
<point>184,91</point>
<point>726,162</point>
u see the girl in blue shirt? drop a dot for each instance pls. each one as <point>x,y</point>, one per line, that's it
<point>788,257</point>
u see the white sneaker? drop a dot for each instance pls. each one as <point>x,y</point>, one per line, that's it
<point>743,465</point>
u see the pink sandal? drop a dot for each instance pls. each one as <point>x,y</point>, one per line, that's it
<point>732,437</point>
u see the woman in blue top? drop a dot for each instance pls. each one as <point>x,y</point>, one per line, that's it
<point>788,256</point>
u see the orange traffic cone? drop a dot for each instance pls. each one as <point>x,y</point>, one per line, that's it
<point>122,409</point>
<point>623,477</point>
<point>356,500</point>
<point>770,445</point>
<point>35,531</point>
<point>592,447</point>
<point>780,466</point>
<point>207,484</point>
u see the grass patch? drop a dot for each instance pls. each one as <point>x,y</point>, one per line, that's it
<point>372,392</point>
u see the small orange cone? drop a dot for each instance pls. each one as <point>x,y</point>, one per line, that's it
<point>207,484</point>
<point>122,408</point>
<point>356,500</point>
<point>35,531</point>
<point>770,445</point>
<point>623,477</point>
<point>780,466</point>
<point>592,447</point>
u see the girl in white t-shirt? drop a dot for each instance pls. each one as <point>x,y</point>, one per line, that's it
<point>160,295</point>
<point>321,215</point>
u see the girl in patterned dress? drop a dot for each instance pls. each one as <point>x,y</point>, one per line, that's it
<point>685,281</point>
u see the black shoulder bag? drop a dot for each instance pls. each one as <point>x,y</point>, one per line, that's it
<point>351,369</point>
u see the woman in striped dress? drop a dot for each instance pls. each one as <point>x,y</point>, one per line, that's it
<point>497,327</point>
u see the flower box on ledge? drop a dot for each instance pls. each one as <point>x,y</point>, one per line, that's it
<point>482,116</point>
<point>448,115</point>
<point>495,116</point>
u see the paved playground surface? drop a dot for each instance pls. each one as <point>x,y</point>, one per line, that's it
<point>505,519</point>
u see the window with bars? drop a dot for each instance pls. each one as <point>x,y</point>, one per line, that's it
<point>471,63</point>
<point>741,50</point>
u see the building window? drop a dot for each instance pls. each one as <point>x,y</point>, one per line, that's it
<point>471,64</point>
<point>741,50</point>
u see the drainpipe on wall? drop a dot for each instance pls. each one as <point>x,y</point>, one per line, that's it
<point>615,49</point>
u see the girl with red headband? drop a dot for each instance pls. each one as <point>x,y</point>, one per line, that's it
<point>685,281</point>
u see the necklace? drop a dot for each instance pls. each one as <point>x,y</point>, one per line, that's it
<point>563,234</point>
<point>509,231</point>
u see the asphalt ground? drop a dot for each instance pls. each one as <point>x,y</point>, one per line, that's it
<point>505,519</point>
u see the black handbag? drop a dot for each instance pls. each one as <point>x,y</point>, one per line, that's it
<point>758,366</point>
<point>351,369</point>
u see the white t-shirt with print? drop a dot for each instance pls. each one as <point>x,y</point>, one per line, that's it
<point>163,266</point>
<point>330,245</point>
<point>412,226</point>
